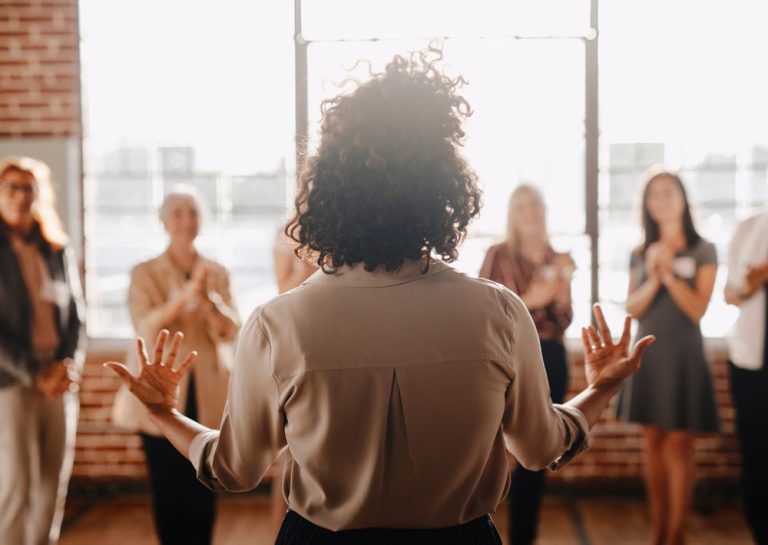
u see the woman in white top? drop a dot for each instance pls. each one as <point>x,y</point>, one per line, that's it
<point>396,383</point>
<point>746,288</point>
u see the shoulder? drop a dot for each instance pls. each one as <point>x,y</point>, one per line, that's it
<point>215,268</point>
<point>483,291</point>
<point>704,247</point>
<point>147,268</point>
<point>495,249</point>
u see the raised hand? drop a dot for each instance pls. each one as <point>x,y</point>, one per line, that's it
<point>157,385</point>
<point>608,364</point>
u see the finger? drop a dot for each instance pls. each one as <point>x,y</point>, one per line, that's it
<point>162,338</point>
<point>141,350</point>
<point>593,338</point>
<point>626,334</point>
<point>174,350</point>
<point>122,372</point>
<point>640,346</point>
<point>187,362</point>
<point>602,325</point>
<point>585,341</point>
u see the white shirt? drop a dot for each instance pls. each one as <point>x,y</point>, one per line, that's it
<point>749,246</point>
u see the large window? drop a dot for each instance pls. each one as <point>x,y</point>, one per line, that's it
<point>199,93</point>
<point>203,93</point>
<point>526,87</point>
<point>681,83</point>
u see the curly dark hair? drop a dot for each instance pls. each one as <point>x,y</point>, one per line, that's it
<point>388,182</point>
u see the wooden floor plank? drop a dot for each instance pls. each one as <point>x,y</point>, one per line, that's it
<point>245,520</point>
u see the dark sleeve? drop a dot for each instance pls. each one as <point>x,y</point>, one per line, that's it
<point>16,362</point>
<point>706,254</point>
<point>73,335</point>
<point>486,270</point>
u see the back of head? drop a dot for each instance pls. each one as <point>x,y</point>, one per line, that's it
<point>388,182</point>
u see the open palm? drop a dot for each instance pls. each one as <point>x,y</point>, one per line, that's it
<point>157,385</point>
<point>608,364</point>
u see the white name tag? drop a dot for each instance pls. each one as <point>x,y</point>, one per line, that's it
<point>685,267</point>
<point>55,292</point>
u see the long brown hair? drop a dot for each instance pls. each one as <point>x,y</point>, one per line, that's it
<point>651,229</point>
<point>44,206</point>
<point>513,237</point>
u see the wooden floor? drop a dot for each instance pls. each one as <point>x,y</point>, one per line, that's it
<point>244,520</point>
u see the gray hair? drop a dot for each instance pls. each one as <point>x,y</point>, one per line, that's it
<point>183,191</point>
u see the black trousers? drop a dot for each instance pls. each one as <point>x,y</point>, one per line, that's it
<point>527,487</point>
<point>296,530</point>
<point>750,397</point>
<point>184,509</point>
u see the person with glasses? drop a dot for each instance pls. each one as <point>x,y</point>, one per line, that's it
<point>396,384</point>
<point>41,355</point>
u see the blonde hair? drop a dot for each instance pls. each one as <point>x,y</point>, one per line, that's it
<point>513,237</point>
<point>44,206</point>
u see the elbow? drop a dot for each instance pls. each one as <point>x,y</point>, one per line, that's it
<point>229,480</point>
<point>539,458</point>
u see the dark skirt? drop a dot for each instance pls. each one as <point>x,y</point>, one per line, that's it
<point>296,530</point>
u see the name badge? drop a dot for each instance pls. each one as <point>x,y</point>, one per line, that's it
<point>684,267</point>
<point>55,292</point>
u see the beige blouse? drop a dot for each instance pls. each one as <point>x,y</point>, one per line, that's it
<point>397,395</point>
<point>153,284</point>
<point>45,336</point>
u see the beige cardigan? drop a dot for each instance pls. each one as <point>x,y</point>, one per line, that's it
<point>154,283</point>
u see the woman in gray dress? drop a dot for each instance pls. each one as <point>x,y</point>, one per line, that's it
<point>672,275</point>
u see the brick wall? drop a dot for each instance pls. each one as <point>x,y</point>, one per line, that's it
<point>104,452</point>
<point>39,68</point>
<point>616,447</point>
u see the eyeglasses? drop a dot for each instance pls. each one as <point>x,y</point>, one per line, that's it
<point>13,188</point>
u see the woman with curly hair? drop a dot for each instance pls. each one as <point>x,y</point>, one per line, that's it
<point>396,383</point>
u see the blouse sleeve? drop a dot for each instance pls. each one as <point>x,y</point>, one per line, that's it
<point>233,320</point>
<point>487,267</point>
<point>707,254</point>
<point>145,303</point>
<point>537,432</point>
<point>251,434</point>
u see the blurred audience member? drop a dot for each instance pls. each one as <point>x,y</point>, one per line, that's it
<point>184,290</point>
<point>527,264</point>
<point>672,275</point>
<point>41,356</point>
<point>746,288</point>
